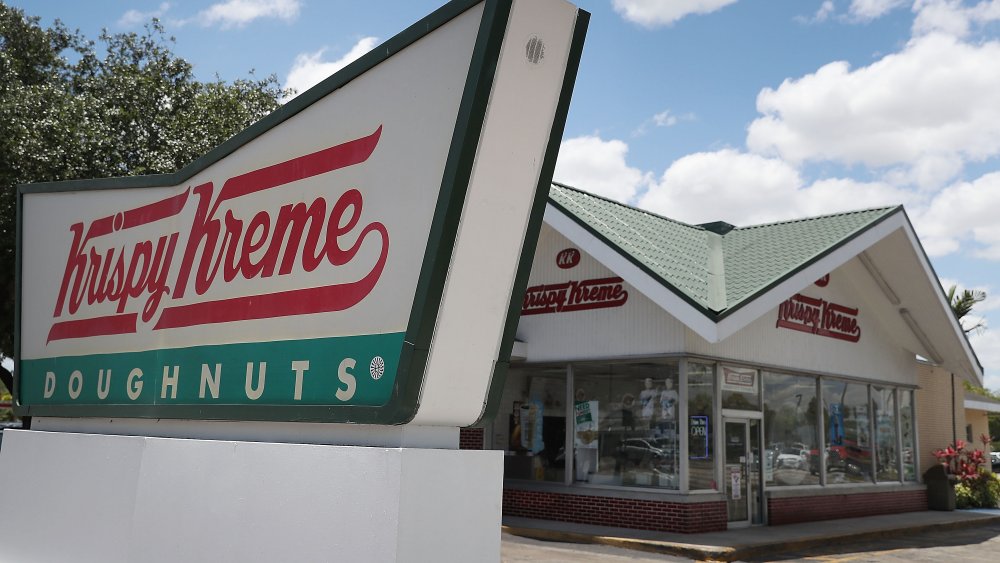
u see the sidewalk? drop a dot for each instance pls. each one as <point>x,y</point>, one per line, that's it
<point>746,543</point>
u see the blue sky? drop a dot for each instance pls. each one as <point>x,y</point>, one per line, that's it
<point>739,110</point>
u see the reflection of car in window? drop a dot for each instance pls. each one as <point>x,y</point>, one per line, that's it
<point>793,458</point>
<point>834,459</point>
<point>848,458</point>
<point>640,450</point>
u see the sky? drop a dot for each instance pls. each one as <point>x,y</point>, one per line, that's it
<point>745,111</point>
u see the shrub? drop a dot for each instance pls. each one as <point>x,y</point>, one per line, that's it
<point>976,487</point>
<point>982,491</point>
<point>960,461</point>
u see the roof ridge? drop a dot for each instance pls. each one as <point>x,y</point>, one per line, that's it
<point>627,206</point>
<point>825,216</point>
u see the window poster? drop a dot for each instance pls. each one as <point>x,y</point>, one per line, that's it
<point>740,380</point>
<point>586,424</point>
<point>531,426</point>
<point>836,424</point>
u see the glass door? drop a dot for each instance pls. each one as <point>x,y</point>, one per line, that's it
<point>742,476</point>
<point>736,478</point>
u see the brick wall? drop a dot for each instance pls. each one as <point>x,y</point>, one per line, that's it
<point>660,516</point>
<point>470,438</point>
<point>934,412</point>
<point>810,509</point>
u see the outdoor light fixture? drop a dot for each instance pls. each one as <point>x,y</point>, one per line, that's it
<point>921,336</point>
<point>876,275</point>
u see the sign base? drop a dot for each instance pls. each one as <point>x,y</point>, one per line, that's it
<point>103,498</point>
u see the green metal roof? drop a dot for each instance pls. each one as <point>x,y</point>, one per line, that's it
<point>715,267</point>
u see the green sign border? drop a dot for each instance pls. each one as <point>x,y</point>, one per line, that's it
<point>404,401</point>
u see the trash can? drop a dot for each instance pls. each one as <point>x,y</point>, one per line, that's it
<point>940,488</point>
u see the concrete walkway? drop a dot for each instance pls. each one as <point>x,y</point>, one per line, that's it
<point>753,542</point>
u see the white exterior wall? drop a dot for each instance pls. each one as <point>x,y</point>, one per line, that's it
<point>637,328</point>
<point>642,328</point>
<point>875,356</point>
<point>109,499</point>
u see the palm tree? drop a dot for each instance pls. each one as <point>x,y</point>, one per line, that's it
<point>962,304</point>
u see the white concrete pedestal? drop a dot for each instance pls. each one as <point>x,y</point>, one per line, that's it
<point>108,499</point>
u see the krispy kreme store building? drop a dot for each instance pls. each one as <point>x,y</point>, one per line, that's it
<point>693,378</point>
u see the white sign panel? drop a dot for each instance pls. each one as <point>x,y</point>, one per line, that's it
<point>740,380</point>
<point>327,263</point>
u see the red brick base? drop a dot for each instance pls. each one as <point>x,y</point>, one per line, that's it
<point>810,509</point>
<point>470,438</point>
<point>688,518</point>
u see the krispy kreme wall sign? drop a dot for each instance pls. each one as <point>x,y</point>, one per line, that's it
<point>819,317</point>
<point>573,295</point>
<point>319,266</point>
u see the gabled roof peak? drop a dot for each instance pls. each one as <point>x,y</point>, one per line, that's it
<point>715,266</point>
<point>718,227</point>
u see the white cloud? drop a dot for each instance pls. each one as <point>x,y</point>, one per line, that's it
<point>825,10</point>
<point>238,13</point>
<point>724,185</point>
<point>133,18</point>
<point>987,347</point>
<point>992,301</point>
<point>310,69</point>
<point>929,108</point>
<point>747,189</point>
<point>653,13</point>
<point>952,17</point>
<point>832,195</point>
<point>868,10</point>
<point>963,214</point>
<point>598,166</point>
<point>665,118</point>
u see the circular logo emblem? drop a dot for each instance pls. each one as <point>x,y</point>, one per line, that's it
<point>377,368</point>
<point>568,258</point>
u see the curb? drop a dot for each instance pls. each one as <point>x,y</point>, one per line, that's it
<point>720,553</point>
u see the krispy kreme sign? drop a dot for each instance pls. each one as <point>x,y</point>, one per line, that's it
<point>819,317</point>
<point>320,266</point>
<point>574,296</point>
<point>142,278</point>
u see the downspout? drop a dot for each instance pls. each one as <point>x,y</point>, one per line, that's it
<point>954,414</point>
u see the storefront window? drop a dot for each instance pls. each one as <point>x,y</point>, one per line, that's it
<point>740,388</point>
<point>907,434</point>
<point>884,415</point>
<point>701,426</point>
<point>847,430</point>
<point>531,424</point>
<point>626,430</point>
<point>791,438</point>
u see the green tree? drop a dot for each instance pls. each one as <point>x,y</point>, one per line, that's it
<point>962,303</point>
<point>124,105</point>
